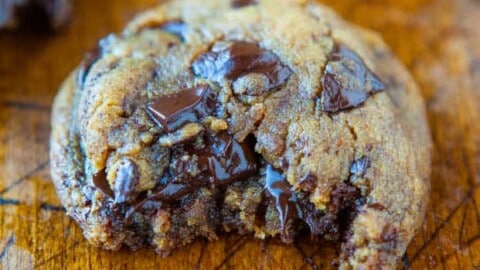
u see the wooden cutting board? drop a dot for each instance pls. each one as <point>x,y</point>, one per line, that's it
<point>438,40</point>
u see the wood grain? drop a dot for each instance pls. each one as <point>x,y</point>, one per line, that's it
<point>437,40</point>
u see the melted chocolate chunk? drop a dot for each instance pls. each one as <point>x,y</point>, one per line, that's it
<point>243,3</point>
<point>126,181</point>
<point>317,222</point>
<point>173,191</point>
<point>100,181</point>
<point>285,199</point>
<point>89,59</point>
<point>360,166</point>
<point>221,161</point>
<point>168,193</point>
<point>190,105</point>
<point>308,183</point>
<point>239,59</point>
<point>347,81</point>
<point>176,28</point>
<point>344,205</point>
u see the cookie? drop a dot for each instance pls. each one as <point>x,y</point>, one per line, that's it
<point>51,14</point>
<point>213,117</point>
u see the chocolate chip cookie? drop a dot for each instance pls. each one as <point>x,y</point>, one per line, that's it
<point>270,118</point>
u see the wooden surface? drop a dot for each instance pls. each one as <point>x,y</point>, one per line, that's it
<point>438,41</point>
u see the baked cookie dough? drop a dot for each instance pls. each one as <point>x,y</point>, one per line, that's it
<point>271,118</point>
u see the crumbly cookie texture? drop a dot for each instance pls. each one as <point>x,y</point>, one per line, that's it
<point>206,117</point>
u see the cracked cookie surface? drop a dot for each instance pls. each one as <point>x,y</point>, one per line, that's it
<point>220,116</point>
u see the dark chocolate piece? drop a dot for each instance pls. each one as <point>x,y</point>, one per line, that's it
<point>345,201</point>
<point>285,199</point>
<point>222,161</point>
<point>228,160</point>
<point>126,181</point>
<point>243,3</point>
<point>347,81</point>
<point>167,193</point>
<point>239,59</point>
<point>360,166</point>
<point>190,105</point>
<point>100,181</point>
<point>173,191</point>
<point>176,28</point>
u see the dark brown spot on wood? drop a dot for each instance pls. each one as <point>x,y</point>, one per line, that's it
<point>187,106</point>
